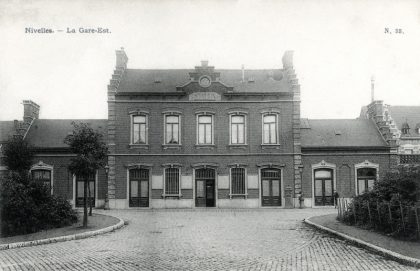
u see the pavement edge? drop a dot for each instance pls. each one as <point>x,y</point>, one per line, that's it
<point>57,239</point>
<point>380,250</point>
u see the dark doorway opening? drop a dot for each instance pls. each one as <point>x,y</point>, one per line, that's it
<point>205,188</point>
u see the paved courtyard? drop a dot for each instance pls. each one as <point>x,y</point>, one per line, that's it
<point>270,239</point>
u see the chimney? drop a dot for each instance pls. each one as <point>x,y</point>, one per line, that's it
<point>243,73</point>
<point>288,60</point>
<point>204,63</point>
<point>30,111</point>
<point>122,58</point>
<point>372,89</point>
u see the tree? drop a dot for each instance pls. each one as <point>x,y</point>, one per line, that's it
<point>91,153</point>
<point>27,206</point>
<point>18,157</point>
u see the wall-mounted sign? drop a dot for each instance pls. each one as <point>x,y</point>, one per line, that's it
<point>204,96</point>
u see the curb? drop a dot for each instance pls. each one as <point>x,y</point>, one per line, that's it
<point>380,250</point>
<point>78,236</point>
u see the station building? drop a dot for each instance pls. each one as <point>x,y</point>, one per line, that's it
<point>207,137</point>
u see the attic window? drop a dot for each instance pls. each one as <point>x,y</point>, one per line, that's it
<point>158,80</point>
<point>251,80</point>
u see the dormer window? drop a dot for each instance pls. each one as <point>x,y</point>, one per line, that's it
<point>417,129</point>
<point>405,128</point>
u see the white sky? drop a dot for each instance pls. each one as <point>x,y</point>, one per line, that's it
<point>338,46</point>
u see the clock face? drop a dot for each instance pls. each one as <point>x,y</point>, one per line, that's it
<point>204,81</point>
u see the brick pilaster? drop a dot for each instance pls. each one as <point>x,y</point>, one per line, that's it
<point>121,65</point>
<point>297,156</point>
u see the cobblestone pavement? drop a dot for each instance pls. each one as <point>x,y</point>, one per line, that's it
<point>269,239</point>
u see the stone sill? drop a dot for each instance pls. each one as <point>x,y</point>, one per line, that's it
<point>136,146</point>
<point>270,146</point>
<point>205,146</point>
<point>173,147</point>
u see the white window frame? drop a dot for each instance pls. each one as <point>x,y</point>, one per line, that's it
<point>42,166</point>
<point>198,115</point>
<point>365,164</point>
<point>244,115</point>
<point>245,181</point>
<point>276,114</point>
<point>179,115</point>
<point>132,115</point>
<point>164,195</point>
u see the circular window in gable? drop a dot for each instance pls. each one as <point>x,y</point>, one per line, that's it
<point>204,81</point>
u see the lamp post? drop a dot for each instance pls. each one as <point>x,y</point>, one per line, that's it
<point>106,206</point>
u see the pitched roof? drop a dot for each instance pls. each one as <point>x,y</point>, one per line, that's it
<point>50,133</point>
<point>7,129</point>
<point>340,133</point>
<point>143,80</point>
<point>402,114</point>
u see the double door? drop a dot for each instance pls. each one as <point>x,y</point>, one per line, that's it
<point>139,188</point>
<point>80,191</point>
<point>324,187</point>
<point>271,187</point>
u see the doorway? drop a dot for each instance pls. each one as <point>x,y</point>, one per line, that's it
<point>323,187</point>
<point>271,187</point>
<point>80,191</point>
<point>205,188</point>
<point>139,188</point>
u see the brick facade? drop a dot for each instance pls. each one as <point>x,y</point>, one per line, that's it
<point>274,174</point>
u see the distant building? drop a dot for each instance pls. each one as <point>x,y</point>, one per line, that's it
<point>205,137</point>
<point>400,125</point>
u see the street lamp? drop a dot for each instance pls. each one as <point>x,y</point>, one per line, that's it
<point>106,206</point>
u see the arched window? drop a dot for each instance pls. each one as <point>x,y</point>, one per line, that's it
<point>366,178</point>
<point>42,176</point>
<point>43,173</point>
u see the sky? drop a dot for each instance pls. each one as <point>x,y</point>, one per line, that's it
<point>338,46</point>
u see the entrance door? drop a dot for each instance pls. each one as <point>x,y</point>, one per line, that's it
<point>205,188</point>
<point>271,187</point>
<point>139,188</point>
<point>324,187</point>
<point>80,189</point>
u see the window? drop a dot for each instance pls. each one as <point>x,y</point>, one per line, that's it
<point>172,131</point>
<point>139,129</point>
<point>238,185</point>
<point>42,176</point>
<point>237,129</point>
<point>270,129</point>
<point>172,187</point>
<point>205,129</point>
<point>366,178</point>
